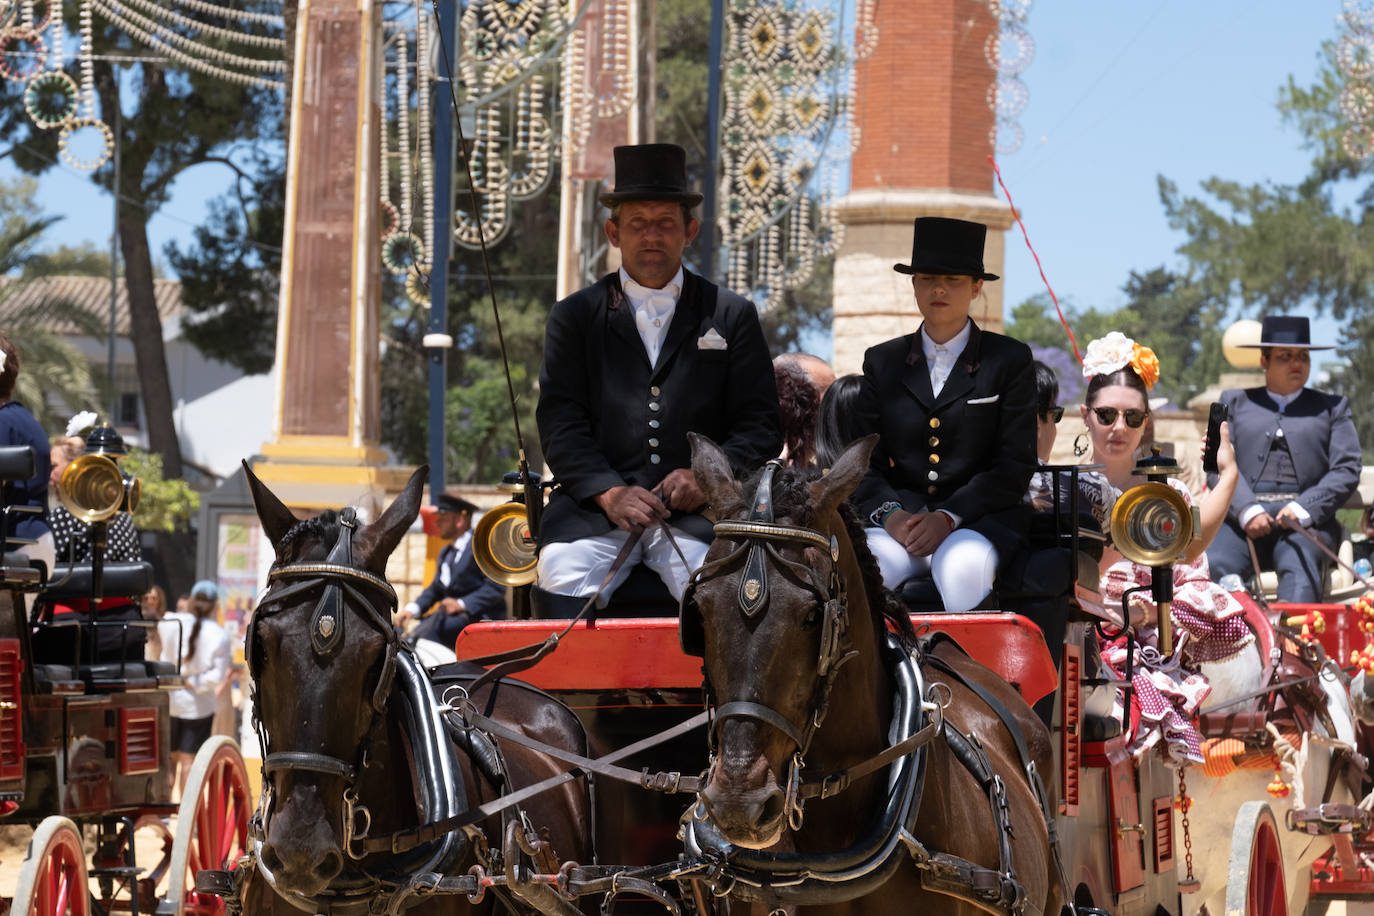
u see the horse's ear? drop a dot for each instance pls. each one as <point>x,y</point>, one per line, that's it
<point>272,512</point>
<point>714,476</point>
<point>835,487</point>
<point>376,541</point>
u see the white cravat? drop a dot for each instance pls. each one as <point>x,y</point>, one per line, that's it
<point>653,310</point>
<point>942,357</point>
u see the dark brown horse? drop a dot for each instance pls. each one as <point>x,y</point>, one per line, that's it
<point>801,647</point>
<point>354,747</point>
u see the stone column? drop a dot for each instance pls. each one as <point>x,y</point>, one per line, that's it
<point>925,132</point>
<point>324,451</point>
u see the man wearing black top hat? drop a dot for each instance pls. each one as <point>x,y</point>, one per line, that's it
<point>631,364</point>
<point>1299,461</point>
<point>461,590</point>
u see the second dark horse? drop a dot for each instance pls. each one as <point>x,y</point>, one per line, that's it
<point>355,744</point>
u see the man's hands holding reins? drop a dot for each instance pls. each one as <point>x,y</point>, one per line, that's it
<point>632,508</point>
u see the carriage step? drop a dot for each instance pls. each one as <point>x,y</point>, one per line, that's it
<point>1328,819</point>
<point>119,871</point>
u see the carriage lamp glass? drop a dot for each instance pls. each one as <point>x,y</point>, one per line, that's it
<point>1153,525</point>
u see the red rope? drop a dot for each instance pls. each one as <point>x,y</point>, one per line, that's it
<point>1053,298</point>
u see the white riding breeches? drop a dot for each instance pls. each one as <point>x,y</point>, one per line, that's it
<point>576,568</point>
<point>963,567</point>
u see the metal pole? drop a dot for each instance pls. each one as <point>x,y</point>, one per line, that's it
<point>114,256</point>
<point>708,184</point>
<point>437,341</point>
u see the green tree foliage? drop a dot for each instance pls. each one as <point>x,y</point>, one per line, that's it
<point>166,120</point>
<point>1300,248</point>
<point>54,377</point>
<point>164,505</point>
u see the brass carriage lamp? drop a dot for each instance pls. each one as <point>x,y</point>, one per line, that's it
<point>94,489</point>
<point>1152,525</point>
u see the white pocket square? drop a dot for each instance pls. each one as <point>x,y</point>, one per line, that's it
<point>711,340</point>
<point>991,400</point>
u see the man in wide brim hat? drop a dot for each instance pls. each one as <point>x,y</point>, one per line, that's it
<point>1286,331</point>
<point>1299,459</point>
<point>633,363</point>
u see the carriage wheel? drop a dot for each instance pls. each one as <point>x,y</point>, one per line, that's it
<point>52,881</point>
<point>212,825</point>
<point>1256,884</point>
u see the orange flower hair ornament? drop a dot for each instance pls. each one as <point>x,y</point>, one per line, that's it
<point>1116,351</point>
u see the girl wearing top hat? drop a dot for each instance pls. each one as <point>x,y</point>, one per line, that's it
<point>955,406</point>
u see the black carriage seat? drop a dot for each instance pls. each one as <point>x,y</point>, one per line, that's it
<point>103,649</point>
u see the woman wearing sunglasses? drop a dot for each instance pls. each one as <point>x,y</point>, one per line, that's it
<point>1207,621</point>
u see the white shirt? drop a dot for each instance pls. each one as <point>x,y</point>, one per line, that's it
<point>204,671</point>
<point>460,544</point>
<point>653,310</point>
<point>942,357</point>
<point>1283,400</point>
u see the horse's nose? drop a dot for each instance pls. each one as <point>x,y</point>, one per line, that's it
<point>303,864</point>
<point>747,812</point>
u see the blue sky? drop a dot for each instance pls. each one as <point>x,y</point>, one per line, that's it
<point>1119,93</point>
<point>1123,92</point>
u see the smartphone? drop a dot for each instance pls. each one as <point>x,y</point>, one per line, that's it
<point>1216,415</point>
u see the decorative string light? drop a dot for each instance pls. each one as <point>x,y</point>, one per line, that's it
<point>18,62</point>
<point>786,135</point>
<point>85,163</point>
<point>147,31</point>
<point>423,86</point>
<point>1355,58</point>
<point>233,35</point>
<point>227,12</point>
<point>1009,50</point>
<point>51,99</point>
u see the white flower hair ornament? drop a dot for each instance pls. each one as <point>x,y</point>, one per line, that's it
<point>3,356</point>
<point>1115,352</point>
<point>81,422</point>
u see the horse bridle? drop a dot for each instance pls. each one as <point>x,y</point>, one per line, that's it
<point>760,533</point>
<point>342,584</point>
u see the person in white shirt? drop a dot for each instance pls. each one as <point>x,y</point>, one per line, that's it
<point>194,639</point>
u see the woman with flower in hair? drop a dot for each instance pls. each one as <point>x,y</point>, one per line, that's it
<point>1206,619</point>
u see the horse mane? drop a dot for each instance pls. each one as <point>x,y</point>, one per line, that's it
<point>323,528</point>
<point>792,498</point>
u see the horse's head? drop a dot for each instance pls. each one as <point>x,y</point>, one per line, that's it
<point>321,651</point>
<point>768,613</point>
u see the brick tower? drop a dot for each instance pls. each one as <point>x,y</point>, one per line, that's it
<point>921,108</point>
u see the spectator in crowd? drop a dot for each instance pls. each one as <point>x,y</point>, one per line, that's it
<point>631,365</point>
<point>153,606</point>
<point>201,646</point>
<point>460,589</point>
<point>799,402</point>
<point>955,406</point>
<point>19,427</point>
<point>71,536</point>
<point>1299,460</point>
<point>835,419</point>
<point>817,369</point>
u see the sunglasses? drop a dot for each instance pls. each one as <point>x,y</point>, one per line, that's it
<point>1053,414</point>
<point>1135,418</point>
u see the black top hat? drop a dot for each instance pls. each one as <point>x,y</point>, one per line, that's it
<point>447,502</point>
<point>947,246</point>
<point>1287,331</point>
<point>651,171</point>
